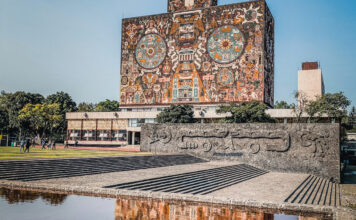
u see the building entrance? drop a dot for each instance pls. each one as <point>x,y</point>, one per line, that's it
<point>134,138</point>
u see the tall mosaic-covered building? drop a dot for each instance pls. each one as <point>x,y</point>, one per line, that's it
<point>198,53</point>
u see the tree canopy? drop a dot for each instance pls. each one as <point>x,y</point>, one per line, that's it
<point>4,121</point>
<point>282,105</point>
<point>177,114</point>
<point>107,106</point>
<point>86,107</point>
<point>245,112</point>
<point>331,105</point>
<point>64,101</point>
<point>42,119</point>
<point>12,103</point>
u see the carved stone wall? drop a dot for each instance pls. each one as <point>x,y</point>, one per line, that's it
<point>302,148</point>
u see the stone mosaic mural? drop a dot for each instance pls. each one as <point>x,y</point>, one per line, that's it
<point>207,55</point>
<point>305,148</point>
<point>182,5</point>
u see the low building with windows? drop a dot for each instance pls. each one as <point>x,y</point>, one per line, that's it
<point>124,127</point>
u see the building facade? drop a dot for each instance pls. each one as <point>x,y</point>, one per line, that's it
<point>198,53</point>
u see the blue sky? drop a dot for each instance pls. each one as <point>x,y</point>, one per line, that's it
<point>74,45</point>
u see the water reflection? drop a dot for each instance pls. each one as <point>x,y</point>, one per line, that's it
<point>159,210</point>
<point>125,208</point>
<point>20,196</point>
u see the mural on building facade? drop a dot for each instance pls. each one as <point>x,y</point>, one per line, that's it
<point>210,55</point>
<point>182,5</point>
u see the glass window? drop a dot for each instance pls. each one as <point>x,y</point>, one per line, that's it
<point>73,135</point>
<point>120,135</point>
<point>149,120</point>
<point>103,135</point>
<point>88,135</point>
<point>133,122</point>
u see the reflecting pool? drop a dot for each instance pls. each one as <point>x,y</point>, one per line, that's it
<point>19,204</point>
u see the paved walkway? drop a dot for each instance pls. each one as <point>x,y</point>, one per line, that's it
<point>182,178</point>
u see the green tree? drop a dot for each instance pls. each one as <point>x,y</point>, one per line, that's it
<point>42,119</point>
<point>65,104</point>
<point>64,100</point>
<point>282,105</point>
<point>177,114</point>
<point>107,106</point>
<point>4,121</point>
<point>245,112</point>
<point>333,106</point>
<point>352,116</point>
<point>12,103</point>
<point>86,107</point>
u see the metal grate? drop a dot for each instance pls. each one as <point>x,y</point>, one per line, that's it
<point>199,182</point>
<point>50,169</point>
<point>316,191</point>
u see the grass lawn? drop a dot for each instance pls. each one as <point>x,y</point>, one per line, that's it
<point>12,153</point>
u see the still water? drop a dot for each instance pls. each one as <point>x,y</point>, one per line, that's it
<point>16,204</point>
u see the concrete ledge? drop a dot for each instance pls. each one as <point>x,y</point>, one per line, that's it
<point>285,208</point>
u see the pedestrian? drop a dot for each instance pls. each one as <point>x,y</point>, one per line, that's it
<point>76,143</point>
<point>49,145</point>
<point>65,144</point>
<point>54,145</point>
<point>43,144</point>
<point>28,144</point>
<point>22,145</point>
<point>34,142</point>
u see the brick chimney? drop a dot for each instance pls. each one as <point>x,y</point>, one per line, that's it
<point>310,66</point>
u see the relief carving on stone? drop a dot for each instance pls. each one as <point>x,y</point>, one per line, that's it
<point>225,140</point>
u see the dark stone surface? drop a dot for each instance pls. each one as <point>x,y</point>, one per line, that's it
<point>300,148</point>
<point>199,182</point>
<point>62,168</point>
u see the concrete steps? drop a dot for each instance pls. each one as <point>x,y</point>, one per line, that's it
<point>200,182</point>
<point>316,191</point>
<point>62,168</point>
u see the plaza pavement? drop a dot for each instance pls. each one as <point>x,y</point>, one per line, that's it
<point>264,190</point>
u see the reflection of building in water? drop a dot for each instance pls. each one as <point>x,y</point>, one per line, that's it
<point>139,209</point>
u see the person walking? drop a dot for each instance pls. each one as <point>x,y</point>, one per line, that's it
<point>43,144</point>
<point>34,142</point>
<point>28,144</point>
<point>22,145</point>
<point>54,145</point>
<point>65,144</point>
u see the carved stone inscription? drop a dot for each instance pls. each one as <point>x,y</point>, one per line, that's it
<point>309,148</point>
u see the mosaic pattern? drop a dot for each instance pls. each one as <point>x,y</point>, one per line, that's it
<point>182,5</point>
<point>225,77</point>
<point>151,51</point>
<point>226,44</point>
<point>208,55</point>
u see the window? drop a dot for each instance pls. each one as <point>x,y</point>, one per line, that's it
<point>149,120</point>
<point>103,135</point>
<point>73,135</point>
<point>120,135</point>
<point>137,122</point>
<point>88,135</point>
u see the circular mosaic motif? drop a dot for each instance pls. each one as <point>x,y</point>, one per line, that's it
<point>226,44</point>
<point>151,51</point>
<point>225,77</point>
